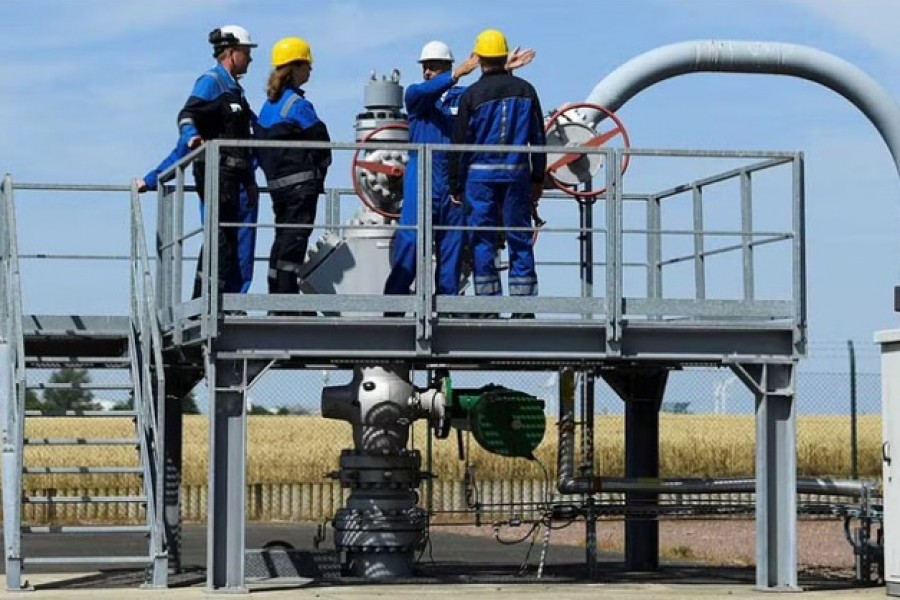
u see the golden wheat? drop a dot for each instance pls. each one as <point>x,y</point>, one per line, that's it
<point>296,449</point>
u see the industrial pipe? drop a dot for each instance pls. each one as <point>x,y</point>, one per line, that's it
<point>568,483</point>
<point>805,485</point>
<point>771,58</point>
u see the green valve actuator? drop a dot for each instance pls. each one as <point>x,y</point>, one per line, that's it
<point>503,421</point>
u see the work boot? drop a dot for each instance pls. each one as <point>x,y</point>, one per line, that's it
<point>293,313</point>
<point>491,315</point>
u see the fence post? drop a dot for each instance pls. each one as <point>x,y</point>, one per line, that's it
<point>854,445</point>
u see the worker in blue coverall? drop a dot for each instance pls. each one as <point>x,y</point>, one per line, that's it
<point>218,109</point>
<point>247,213</point>
<point>499,109</point>
<point>296,176</point>
<point>431,106</point>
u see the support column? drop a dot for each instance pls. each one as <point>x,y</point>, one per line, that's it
<point>642,389</point>
<point>226,516</point>
<point>227,476</point>
<point>776,473</point>
<point>13,450</point>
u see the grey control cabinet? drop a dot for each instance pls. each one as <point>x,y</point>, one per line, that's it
<point>890,407</point>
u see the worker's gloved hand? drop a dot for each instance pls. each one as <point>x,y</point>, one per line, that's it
<point>252,195</point>
<point>456,199</point>
<point>141,185</point>
<point>537,190</point>
<point>194,142</point>
<point>519,58</point>
<point>467,67</point>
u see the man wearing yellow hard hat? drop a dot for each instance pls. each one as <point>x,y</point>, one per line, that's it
<point>431,105</point>
<point>499,109</point>
<point>296,176</point>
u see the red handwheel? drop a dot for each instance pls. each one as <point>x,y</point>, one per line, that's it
<point>393,172</point>
<point>567,170</point>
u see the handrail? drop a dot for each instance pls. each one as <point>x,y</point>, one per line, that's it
<point>178,315</point>
<point>14,304</point>
<point>14,419</point>
<point>151,383</point>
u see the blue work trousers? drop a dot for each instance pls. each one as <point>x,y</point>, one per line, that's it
<point>508,205</point>
<point>448,246</point>
<point>240,279</point>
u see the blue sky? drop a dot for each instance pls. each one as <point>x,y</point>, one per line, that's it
<point>90,90</point>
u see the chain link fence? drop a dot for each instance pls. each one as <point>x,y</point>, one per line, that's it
<point>707,429</point>
<point>707,423</point>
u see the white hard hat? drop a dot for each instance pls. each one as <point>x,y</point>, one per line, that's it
<point>231,35</point>
<point>436,51</point>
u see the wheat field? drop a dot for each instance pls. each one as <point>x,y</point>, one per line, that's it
<point>299,449</point>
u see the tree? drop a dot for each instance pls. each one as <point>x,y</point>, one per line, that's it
<point>125,405</point>
<point>189,404</point>
<point>256,409</point>
<point>676,408</point>
<point>33,401</point>
<point>74,398</point>
<point>285,411</point>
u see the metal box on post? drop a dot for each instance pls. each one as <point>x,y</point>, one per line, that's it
<point>890,405</point>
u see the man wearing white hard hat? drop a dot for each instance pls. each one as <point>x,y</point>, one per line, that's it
<point>218,109</point>
<point>431,106</point>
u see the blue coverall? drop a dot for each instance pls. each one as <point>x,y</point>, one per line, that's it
<point>499,109</point>
<point>296,177</point>
<point>218,109</point>
<point>247,213</point>
<point>431,106</point>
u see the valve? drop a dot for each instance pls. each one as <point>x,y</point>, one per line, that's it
<point>567,128</point>
<point>380,172</point>
<point>377,174</point>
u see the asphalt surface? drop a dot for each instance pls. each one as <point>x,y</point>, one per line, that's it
<point>451,566</point>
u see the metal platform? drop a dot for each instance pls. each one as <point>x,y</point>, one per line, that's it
<point>637,271</point>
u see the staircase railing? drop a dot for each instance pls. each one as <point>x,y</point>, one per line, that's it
<point>149,382</point>
<point>13,397</point>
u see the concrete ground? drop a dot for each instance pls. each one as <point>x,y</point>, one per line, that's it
<point>680,591</point>
<point>456,565</point>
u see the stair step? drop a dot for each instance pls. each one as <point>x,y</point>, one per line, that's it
<point>85,560</point>
<point>80,386</point>
<point>82,470</point>
<point>80,442</point>
<point>73,529</point>
<point>82,413</point>
<point>83,499</point>
<point>59,362</point>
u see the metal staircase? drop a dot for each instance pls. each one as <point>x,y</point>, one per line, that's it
<point>123,354</point>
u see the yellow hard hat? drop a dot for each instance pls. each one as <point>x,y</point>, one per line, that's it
<point>491,43</point>
<point>288,50</point>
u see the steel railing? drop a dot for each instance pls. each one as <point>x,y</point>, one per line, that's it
<point>149,379</point>
<point>600,263</point>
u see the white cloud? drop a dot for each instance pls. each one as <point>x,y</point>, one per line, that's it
<point>872,21</point>
<point>87,23</point>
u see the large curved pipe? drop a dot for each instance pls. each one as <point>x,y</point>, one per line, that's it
<point>771,58</point>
